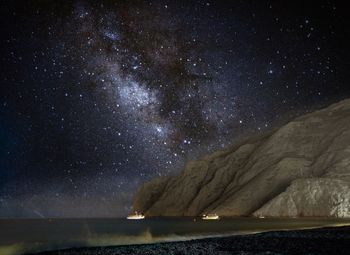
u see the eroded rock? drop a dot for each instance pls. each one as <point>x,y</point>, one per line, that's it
<point>269,175</point>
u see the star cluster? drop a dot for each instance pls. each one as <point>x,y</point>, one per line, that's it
<point>98,97</point>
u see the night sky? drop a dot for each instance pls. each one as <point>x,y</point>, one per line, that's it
<point>98,97</point>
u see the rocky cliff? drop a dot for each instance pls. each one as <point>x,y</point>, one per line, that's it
<point>301,169</point>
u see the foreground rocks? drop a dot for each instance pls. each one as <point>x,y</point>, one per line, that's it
<point>301,169</point>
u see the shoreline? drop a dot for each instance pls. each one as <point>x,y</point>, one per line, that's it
<point>325,240</point>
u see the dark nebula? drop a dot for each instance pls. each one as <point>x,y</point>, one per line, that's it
<point>99,96</point>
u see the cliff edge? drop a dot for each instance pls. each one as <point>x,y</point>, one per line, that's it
<point>301,169</point>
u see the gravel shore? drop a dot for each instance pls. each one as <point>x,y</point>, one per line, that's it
<point>332,240</point>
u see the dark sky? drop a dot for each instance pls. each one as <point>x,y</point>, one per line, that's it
<point>99,96</point>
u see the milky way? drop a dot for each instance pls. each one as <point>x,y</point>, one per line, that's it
<point>100,96</point>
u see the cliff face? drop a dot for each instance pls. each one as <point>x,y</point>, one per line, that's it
<point>302,169</point>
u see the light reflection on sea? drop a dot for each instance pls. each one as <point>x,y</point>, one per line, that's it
<point>18,236</point>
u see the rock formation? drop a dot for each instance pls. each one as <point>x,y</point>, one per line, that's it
<point>301,169</point>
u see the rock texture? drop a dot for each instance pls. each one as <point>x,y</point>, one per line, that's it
<point>310,197</point>
<point>301,169</point>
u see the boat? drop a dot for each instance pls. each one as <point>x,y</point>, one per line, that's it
<point>136,216</point>
<point>211,216</point>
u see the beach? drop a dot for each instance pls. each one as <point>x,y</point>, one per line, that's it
<point>329,240</point>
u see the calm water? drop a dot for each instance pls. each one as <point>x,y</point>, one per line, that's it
<point>30,235</point>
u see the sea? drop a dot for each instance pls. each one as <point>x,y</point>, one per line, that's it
<point>21,236</point>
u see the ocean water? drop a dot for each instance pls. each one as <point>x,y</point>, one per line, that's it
<point>19,236</point>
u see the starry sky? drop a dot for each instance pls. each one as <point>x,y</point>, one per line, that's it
<point>98,97</point>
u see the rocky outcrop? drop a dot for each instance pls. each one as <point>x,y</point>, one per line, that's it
<point>301,169</point>
<point>310,197</point>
